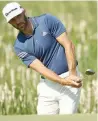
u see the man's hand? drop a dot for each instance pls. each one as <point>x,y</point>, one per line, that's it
<point>74,78</point>
<point>69,82</point>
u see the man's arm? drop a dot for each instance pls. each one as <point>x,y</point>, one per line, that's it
<point>69,51</point>
<point>38,66</point>
<point>70,55</point>
<point>57,30</point>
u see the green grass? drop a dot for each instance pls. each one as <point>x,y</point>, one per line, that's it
<point>18,84</point>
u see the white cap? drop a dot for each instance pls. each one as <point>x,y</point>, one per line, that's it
<point>11,10</point>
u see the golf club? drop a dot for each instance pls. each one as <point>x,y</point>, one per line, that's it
<point>89,72</point>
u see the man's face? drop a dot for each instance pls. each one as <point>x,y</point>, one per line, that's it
<point>19,22</point>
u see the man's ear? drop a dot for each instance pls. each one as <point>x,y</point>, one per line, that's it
<point>24,11</point>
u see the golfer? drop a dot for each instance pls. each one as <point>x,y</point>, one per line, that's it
<point>43,45</point>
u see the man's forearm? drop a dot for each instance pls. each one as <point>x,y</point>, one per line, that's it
<point>47,73</point>
<point>71,59</point>
<point>69,52</point>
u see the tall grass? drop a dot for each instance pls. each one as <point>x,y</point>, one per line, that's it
<point>18,84</point>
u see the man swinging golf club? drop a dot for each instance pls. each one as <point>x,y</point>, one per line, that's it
<point>43,45</point>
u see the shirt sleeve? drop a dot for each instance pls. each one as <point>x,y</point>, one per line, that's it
<point>26,58</point>
<point>55,26</point>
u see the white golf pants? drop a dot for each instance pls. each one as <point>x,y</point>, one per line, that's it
<point>53,98</point>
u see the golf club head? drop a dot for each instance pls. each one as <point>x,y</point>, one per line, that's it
<point>89,72</point>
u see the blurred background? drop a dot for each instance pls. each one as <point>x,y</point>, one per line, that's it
<point>18,84</point>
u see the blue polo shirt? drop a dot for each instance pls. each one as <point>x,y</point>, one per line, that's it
<point>42,44</point>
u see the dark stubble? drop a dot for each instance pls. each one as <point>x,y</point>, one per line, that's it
<point>25,22</point>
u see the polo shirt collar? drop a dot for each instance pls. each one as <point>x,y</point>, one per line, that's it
<point>34,22</point>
